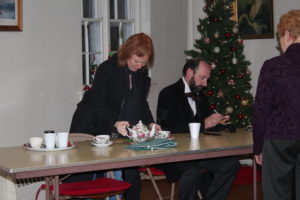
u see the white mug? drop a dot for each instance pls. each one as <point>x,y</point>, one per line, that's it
<point>36,142</point>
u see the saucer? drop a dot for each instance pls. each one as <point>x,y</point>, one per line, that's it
<point>71,145</point>
<point>102,145</point>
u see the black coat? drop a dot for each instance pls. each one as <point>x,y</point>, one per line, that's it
<point>101,105</point>
<point>174,112</point>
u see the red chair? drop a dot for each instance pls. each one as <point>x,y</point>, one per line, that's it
<point>99,188</point>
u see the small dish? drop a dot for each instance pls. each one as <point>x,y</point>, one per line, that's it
<point>71,145</point>
<point>102,145</point>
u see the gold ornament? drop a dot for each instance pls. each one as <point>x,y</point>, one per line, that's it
<point>216,34</point>
<point>245,102</point>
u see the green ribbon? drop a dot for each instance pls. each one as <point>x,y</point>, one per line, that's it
<point>153,145</point>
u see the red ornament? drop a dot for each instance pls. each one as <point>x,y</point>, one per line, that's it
<point>241,76</point>
<point>212,106</point>
<point>227,35</point>
<point>241,41</point>
<point>209,92</point>
<point>86,88</point>
<point>240,116</point>
<point>206,40</point>
<point>233,48</point>
<point>237,97</point>
<point>222,71</point>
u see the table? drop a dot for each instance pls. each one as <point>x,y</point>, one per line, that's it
<point>19,163</point>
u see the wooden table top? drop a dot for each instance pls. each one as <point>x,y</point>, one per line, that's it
<point>19,162</point>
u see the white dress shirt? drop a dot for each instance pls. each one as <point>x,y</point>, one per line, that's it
<point>190,100</point>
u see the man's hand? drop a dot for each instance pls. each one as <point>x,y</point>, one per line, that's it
<point>225,120</point>
<point>213,120</point>
<point>121,127</point>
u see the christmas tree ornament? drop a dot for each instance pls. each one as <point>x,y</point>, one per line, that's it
<point>235,29</point>
<point>240,116</point>
<point>241,76</point>
<point>206,40</point>
<point>249,72</point>
<point>231,82</point>
<point>212,106</point>
<point>233,48</point>
<point>240,41</point>
<point>237,97</point>
<point>229,109</point>
<point>220,93</point>
<point>227,35</point>
<point>244,102</point>
<point>209,93</point>
<point>217,49</point>
<point>213,65</point>
<point>234,61</point>
<point>217,34</point>
<point>222,71</point>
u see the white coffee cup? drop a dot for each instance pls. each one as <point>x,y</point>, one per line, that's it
<point>163,134</point>
<point>49,139</point>
<point>101,139</point>
<point>36,142</point>
<point>62,139</point>
<point>194,130</point>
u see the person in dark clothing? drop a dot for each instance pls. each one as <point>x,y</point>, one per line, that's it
<point>276,114</point>
<point>118,98</point>
<point>178,105</point>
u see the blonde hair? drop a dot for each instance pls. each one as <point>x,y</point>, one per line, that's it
<point>139,44</point>
<point>289,22</point>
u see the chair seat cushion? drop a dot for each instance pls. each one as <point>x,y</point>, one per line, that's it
<point>98,186</point>
<point>154,171</point>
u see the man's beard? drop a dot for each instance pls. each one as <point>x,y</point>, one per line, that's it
<point>193,87</point>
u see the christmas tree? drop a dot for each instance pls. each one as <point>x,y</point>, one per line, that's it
<point>221,46</point>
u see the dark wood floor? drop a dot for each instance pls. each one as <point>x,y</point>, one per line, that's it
<point>238,192</point>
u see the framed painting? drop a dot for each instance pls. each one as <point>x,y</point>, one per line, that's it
<point>11,15</point>
<point>254,18</point>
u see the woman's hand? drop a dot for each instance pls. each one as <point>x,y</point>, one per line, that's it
<point>121,127</point>
<point>259,158</point>
<point>157,127</point>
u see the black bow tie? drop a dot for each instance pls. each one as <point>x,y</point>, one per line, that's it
<point>194,96</point>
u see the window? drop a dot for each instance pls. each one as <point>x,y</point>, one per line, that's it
<point>106,24</point>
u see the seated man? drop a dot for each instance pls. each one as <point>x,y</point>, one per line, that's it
<point>178,105</point>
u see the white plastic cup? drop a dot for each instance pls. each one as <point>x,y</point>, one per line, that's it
<point>62,139</point>
<point>194,130</point>
<point>49,139</point>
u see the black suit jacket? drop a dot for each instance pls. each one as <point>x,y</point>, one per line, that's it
<point>101,105</point>
<point>174,112</point>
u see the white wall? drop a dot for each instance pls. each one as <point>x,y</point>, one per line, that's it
<point>168,31</point>
<point>40,70</point>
